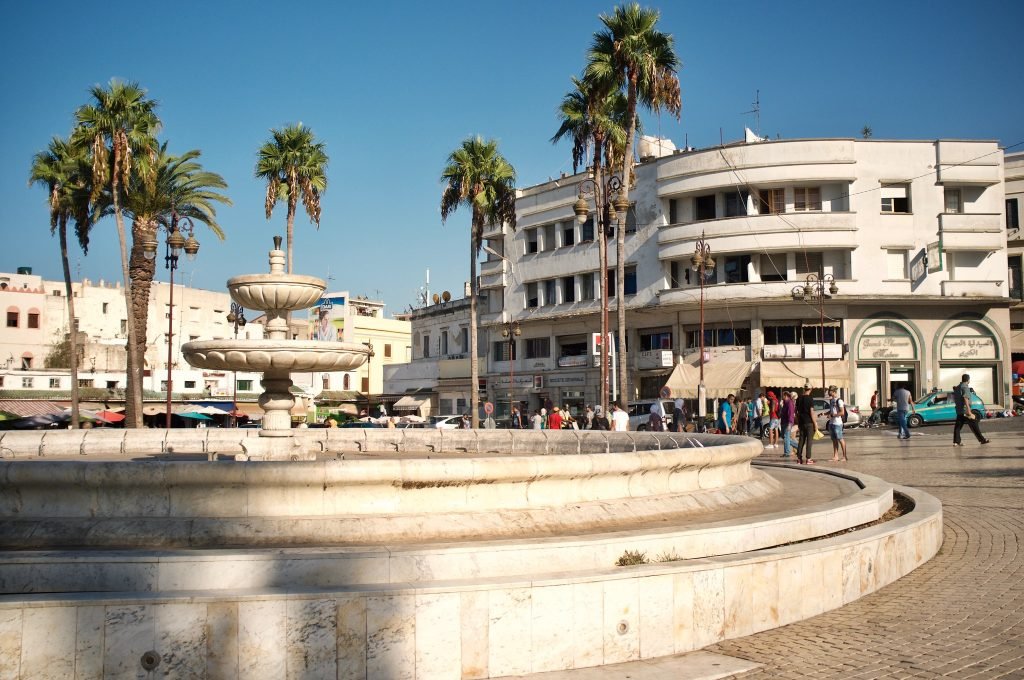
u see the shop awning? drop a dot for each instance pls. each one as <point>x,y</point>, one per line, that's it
<point>411,402</point>
<point>720,379</point>
<point>799,372</point>
<point>23,408</point>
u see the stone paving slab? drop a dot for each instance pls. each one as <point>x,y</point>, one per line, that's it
<point>692,666</point>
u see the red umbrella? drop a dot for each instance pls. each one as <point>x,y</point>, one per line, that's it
<point>110,416</point>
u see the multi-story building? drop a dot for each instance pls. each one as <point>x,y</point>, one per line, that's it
<point>1015,261</point>
<point>911,231</point>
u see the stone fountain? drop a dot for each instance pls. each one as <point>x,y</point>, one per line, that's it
<point>277,356</point>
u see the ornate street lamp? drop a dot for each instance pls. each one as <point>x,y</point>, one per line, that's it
<point>174,245</point>
<point>608,203</point>
<point>818,287</point>
<point>236,316</point>
<point>702,263</point>
<point>511,330</point>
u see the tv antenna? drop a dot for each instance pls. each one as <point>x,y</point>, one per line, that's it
<point>756,110</point>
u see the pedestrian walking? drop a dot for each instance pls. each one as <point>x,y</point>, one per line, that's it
<point>774,421</point>
<point>787,418</point>
<point>964,412</point>
<point>656,421</point>
<point>808,426</point>
<point>904,407</point>
<point>555,419</point>
<point>749,410</point>
<point>876,411</point>
<point>725,415</point>
<point>836,412</point>
<point>679,416</point>
<point>601,420</point>
<point>537,421</point>
<point>620,419</point>
<point>588,418</point>
<point>517,419</point>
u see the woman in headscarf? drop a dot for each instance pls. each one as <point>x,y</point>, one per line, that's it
<point>679,416</point>
<point>656,422</point>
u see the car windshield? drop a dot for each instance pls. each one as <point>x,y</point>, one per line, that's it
<point>439,419</point>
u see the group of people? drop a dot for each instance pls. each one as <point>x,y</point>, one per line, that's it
<point>562,419</point>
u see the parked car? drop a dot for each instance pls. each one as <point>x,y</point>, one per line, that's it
<point>445,422</point>
<point>640,413</point>
<point>939,407</point>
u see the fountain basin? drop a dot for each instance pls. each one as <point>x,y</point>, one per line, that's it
<point>282,292</point>
<point>283,355</point>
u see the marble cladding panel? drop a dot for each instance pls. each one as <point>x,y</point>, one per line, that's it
<point>261,630</point>
<point>312,638</point>
<point>66,576</point>
<point>391,637</point>
<point>439,635</point>
<point>708,606</point>
<point>683,612</point>
<point>351,642</point>
<point>587,624</point>
<point>791,589</point>
<point>229,500</point>
<point>365,498</point>
<point>48,643</point>
<point>287,500</point>
<point>509,616</point>
<point>621,620</point>
<point>89,642</point>
<point>10,642</point>
<point>474,620</point>
<point>222,640</point>
<point>129,632</point>
<point>552,637</point>
<point>657,616</point>
<point>181,639</point>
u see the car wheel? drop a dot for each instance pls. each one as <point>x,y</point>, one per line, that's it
<point>915,421</point>
<point>765,432</point>
<point>641,428</point>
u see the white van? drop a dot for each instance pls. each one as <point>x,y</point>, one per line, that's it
<point>640,413</point>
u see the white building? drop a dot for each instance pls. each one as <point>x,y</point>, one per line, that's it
<point>912,232</point>
<point>1015,256</point>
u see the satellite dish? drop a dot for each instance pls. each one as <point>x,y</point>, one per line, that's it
<point>446,296</point>
<point>436,299</point>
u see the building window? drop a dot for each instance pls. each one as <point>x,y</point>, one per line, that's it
<point>586,286</point>
<point>106,305</point>
<point>808,263</point>
<point>532,299</point>
<point>774,267</point>
<point>631,219</point>
<point>587,230</point>
<point>26,362</point>
<point>54,292</point>
<point>387,351</point>
<point>1014,263</point>
<point>531,241</point>
<point>568,233</point>
<point>244,385</point>
<point>85,382</point>
<point>549,236</point>
<point>673,211</point>
<point>629,281</point>
<point>190,384</point>
<point>806,198</point>
<point>364,385</point>
<point>782,334</point>
<point>773,201</point>
<point>896,261</point>
<point>812,333</point>
<point>112,385</point>
<point>27,383</point>
<point>896,198</point>
<point>736,268</point>
<point>12,319</point>
<point>704,207</point>
<point>538,348</point>
<point>444,342</point>
<point>54,383</point>
<point>124,326</point>
<point>718,337</point>
<point>569,289</point>
<point>1012,216</point>
<point>736,203</point>
<point>502,350</point>
<point>953,200</point>
<point>33,319</point>
<point>652,340</point>
<point>426,345</point>
<point>465,339</point>
<point>550,298</point>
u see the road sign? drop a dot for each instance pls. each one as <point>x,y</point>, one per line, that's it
<point>666,392</point>
<point>488,408</point>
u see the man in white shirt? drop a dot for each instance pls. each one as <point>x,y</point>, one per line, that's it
<point>835,423</point>
<point>620,419</point>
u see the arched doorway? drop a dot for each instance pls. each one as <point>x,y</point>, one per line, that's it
<point>970,347</point>
<point>887,357</point>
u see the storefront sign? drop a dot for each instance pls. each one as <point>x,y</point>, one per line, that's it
<point>570,379</point>
<point>968,348</point>
<point>573,361</point>
<point>525,381</point>
<point>655,358</point>
<point>886,347</point>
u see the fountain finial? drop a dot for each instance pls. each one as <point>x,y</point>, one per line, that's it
<point>277,243</point>
<point>277,260</point>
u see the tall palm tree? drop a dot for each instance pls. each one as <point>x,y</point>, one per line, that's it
<point>181,186</point>
<point>631,52</point>
<point>64,169</point>
<point>294,164</point>
<point>594,115</point>
<point>478,176</point>
<point>120,124</point>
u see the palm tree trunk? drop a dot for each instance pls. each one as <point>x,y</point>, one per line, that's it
<point>602,251</point>
<point>474,363</point>
<point>142,272</point>
<point>620,238</point>
<point>72,326</point>
<point>133,383</point>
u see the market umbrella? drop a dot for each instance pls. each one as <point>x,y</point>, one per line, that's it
<point>194,416</point>
<point>110,416</point>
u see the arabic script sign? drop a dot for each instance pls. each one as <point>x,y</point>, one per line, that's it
<point>968,348</point>
<point>886,347</point>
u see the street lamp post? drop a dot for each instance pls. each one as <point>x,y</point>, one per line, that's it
<point>818,287</point>
<point>237,317</point>
<point>511,330</point>
<point>609,206</point>
<point>175,244</point>
<point>702,262</point>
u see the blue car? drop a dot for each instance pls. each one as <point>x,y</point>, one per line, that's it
<point>938,407</point>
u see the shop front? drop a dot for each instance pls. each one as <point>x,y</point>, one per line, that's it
<point>970,347</point>
<point>567,390</point>
<point>887,357</point>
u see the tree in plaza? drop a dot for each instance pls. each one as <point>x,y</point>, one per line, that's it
<point>478,176</point>
<point>631,52</point>
<point>180,185</point>
<point>294,164</point>
<point>120,125</point>
<point>65,170</point>
<point>594,115</point>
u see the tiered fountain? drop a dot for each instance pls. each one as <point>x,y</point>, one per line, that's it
<point>277,356</point>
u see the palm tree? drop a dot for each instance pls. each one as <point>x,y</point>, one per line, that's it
<point>594,113</point>
<point>294,164</point>
<point>64,169</point>
<point>479,177</point>
<point>180,186</point>
<point>630,51</point>
<point>119,125</point>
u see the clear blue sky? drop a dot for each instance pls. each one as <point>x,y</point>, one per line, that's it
<point>393,87</point>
